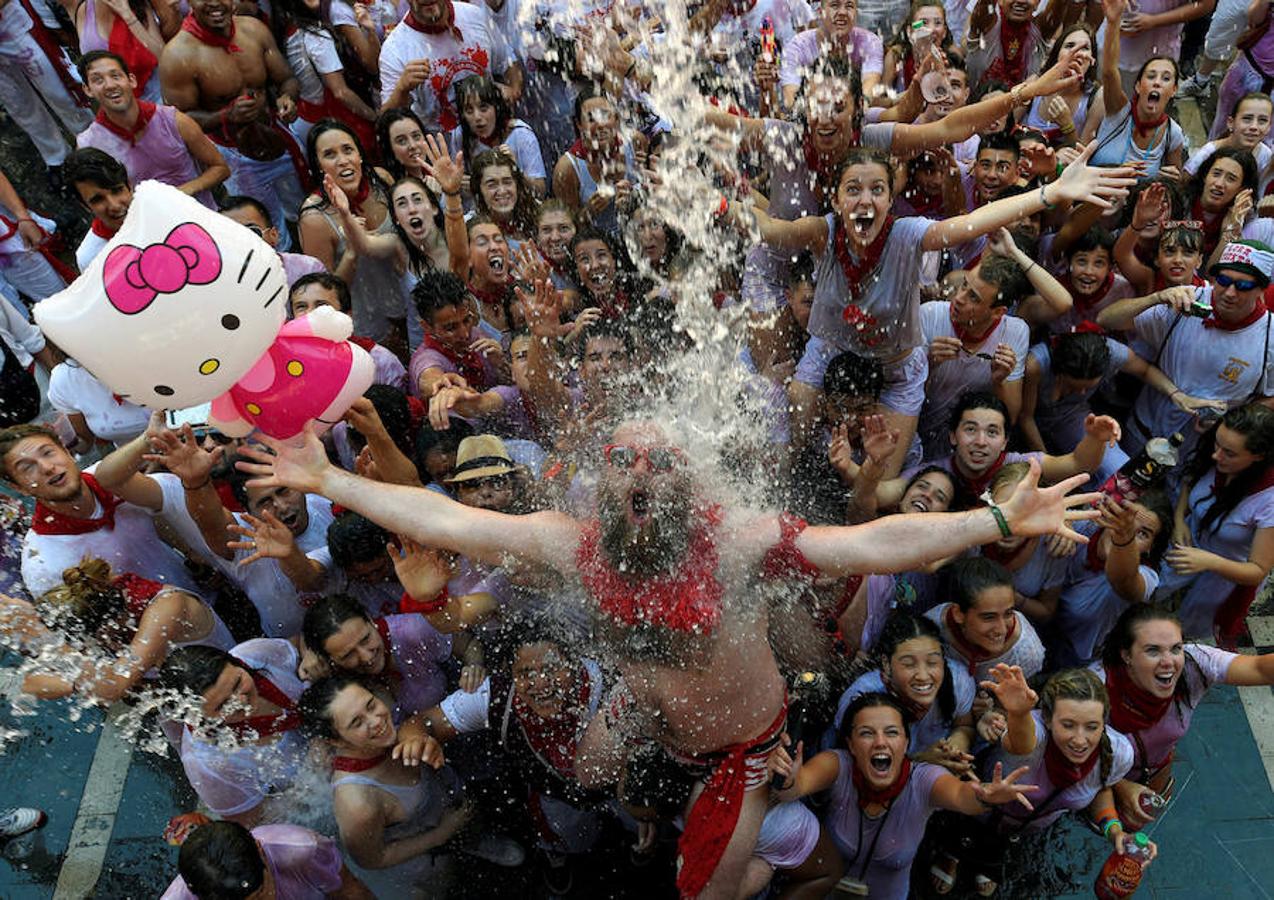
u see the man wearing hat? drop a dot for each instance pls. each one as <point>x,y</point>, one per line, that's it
<point>484,473</point>
<point>1212,341</point>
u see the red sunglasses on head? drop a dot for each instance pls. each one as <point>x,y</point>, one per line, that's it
<point>660,459</point>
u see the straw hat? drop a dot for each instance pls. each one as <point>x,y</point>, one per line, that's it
<point>481,456</point>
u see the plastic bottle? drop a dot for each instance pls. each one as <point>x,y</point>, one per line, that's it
<point>1151,804</point>
<point>1145,470</point>
<point>1121,874</point>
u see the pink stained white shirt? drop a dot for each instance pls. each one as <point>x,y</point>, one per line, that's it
<point>303,864</point>
<point>866,53</point>
<point>1027,651</point>
<point>483,50</point>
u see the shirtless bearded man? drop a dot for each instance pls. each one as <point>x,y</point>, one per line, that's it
<point>667,572</point>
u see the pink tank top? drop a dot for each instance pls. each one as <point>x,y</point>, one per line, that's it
<point>160,152</point>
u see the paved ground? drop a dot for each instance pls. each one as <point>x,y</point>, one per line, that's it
<point>108,805</point>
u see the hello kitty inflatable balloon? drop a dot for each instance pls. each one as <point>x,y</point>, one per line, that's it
<point>183,303</point>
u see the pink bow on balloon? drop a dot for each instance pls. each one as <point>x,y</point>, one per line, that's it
<point>134,276</point>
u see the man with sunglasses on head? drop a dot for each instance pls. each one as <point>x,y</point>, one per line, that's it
<point>673,579</point>
<point>1213,342</point>
<point>252,214</point>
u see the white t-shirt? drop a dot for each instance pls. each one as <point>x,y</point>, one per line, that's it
<point>270,590</point>
<point>483,51</point>
<point>72,389</point>
<point>312,54</point>
<point>521,140</point>
<point>88,249</point>
<point>131,546</point>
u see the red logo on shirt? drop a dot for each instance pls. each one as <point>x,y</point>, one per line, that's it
<point>473,61</point>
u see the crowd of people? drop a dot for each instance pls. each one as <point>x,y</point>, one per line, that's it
<point>991,336</point>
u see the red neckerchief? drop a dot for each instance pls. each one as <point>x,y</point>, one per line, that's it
<point>1092,562</point>
<point>1161,283</point>
<point>49,45</point>
<point>1011,66</point>
<point>966,336</point>
<point>555,739</point>
<point>1061,771</point>
<point>50,521</point>
<point>711,821</point>
<point>822,168</point>
<point>971,652</point>
<point>868,795</point>
<point>855,272</point>
<point>137,591</point>
<point>687,599</point>
<point>391,673</point>
<point>124,44</point>
<point>365,342</point>
<point>355,764</point>
<point>1145,129</point>
<point>596,155</point>
<point>469,363</point>
<point>493,298</point>
<point>783,560</point>
<point>209,37</point>
<point>447,26</point>
<point>976,487</point>
<point>1132,708</point>
<point>1084,304</point>
<point>49,244</point>
<point>266,725</point>
<point>145,112</point>
<point>1212,223</point>
<point>102,230</point>
<point>360,196</point>
<point>928,205</point>
<point>1258,312</point>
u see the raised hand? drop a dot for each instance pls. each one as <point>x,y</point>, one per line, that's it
<point>1104,428</point>
<point>416,747</point>
<point>542,308</point>
<point>992,726</point>
<point>1008,683</point>
<point>879,440</point>
<point>445,169</point>
<point>1032,510</point>
<point>1062,76</point>
<point>472,676</point>
<point>422,571</point>
<point>785,765</point>
<point>529,264</point>
<point>1005,789</point>
<point>1113,10</point>
<point>266,537</point>
<point>1058,111</point>
<point>943,348</point>
<point>1240,209</point>
<point>1003,363</point>
<point>414,74</point>
<point>301,466</point>
<point>841,454</point>
<point>181,455</point>
<point>363,418</point>
<point>1080,182</point>
<point>1152,208</point>
<point>443,402</point>
<point>336,195</point>
<point>1190,560</point>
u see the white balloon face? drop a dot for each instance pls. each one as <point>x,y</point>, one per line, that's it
<point>176,308</point>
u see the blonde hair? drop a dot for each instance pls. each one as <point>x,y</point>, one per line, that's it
<point>1009,474</point>
<point>87,601</point>
<point>1082,686</point>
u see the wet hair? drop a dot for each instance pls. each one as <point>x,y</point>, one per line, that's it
<point>826,67</point>
<point>604,329</point>
<point>857,376</point>
<point>1095,238</point>
<point>15,434</point>
<point>590,91</point>
<point>417,260</point>
<point>324,280</point>
<point>998,140</point>
<point>221,861</point>
<point>866,156</point>
<point>972,575</point>
<point>315,704</point>
<point>238,201</point>
<point>325,126</point>
<point>902,626</point>
<point>977,400</point>
<point>86,603</point>
<point>384,122</point>
<point>1255,423</point>
<point>872,700</point>
<point>85,62</point>
<point>1187,238</point>
<point>428,439</point>
<point>95,167</point>
<point>1011,284</point>
<point>801,269</point>
<point>1080,354</point>
<point>1080,685</point>
<point>196,668</point>
<point>522,219</point>
<point>482,88</point>
<point>555,205</point>
<point>353,539</point>
<point>1251,95</point>
<point>674,239</point>
<point>1245,159</point>
<point>1123,635</point>
<point>1157,503</point>
<point>434,294</point>
<point>325,618</point>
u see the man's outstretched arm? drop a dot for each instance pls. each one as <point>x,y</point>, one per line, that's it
<point>425,516</point>
<point>902,543</point>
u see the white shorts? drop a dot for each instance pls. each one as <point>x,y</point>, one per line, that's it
<point>1229,21</point>
<point>904,390</point>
